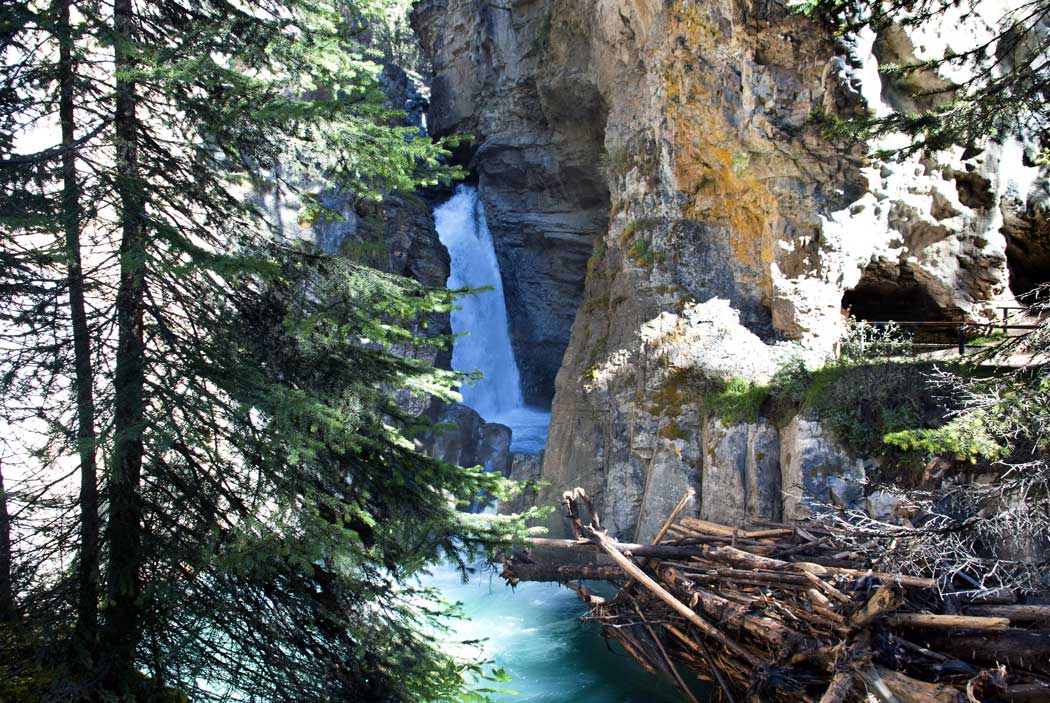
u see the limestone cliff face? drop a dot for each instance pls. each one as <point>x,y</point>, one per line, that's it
<point>655,175</point>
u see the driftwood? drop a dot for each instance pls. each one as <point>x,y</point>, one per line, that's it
<point>775,613</point>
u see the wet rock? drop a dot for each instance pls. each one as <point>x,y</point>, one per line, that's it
<point>463,438</point>
<point>523,467</point>
<point>494,448</point>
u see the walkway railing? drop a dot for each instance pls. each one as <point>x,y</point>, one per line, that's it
<point>962,331</point>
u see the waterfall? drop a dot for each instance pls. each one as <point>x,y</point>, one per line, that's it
<point>531,632</point>
<point>481,319</point>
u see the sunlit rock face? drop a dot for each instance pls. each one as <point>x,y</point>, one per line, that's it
<point>654,172</point>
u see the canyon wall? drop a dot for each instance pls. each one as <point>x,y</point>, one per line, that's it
<point>670,213</point>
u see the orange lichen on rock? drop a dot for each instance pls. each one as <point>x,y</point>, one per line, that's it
<point>711,165</point>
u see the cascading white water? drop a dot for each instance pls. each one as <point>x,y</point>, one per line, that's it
<point>531,632</point>
<point>482,319</point>
<point>482,316</point>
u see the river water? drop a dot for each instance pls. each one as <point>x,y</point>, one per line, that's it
<point>533,631</point>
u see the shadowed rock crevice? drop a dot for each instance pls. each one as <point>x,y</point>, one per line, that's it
<point>878,297</point>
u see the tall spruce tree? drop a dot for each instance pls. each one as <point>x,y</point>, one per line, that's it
<point>265,512</point>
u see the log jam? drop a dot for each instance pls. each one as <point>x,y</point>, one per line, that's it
<point>774,614</point>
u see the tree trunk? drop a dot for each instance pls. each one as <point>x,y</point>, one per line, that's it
<point>88,587</point>
<point>7,598</point>
<point>124,530</point>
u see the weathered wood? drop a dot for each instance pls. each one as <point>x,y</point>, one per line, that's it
<point>827,588</point>
<point>667,659</point>
<point>1028,693</point>
<point>612,549</point>
<point>689,495</point>
<point>908,690</point>
<point>774,633</point>
<point>732,556</point>
<point>949,622</point>
<point>1016,613</point>
<point>902,579</point>
<point>818,598</point>
<point>585,594</point>
<point>711,528</point>
<point>883,601</point>
<point>840,687</point>
<point>1021,649</point>
<point>739,616</point>
<point>546,571</point>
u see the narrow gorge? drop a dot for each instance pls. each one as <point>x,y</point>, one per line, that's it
<point>550,351</point>
<point>680,238</point>
<point>669,216</point>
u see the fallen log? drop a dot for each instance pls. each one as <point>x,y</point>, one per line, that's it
<point>905,689</point>
<point>951,622</point>
<point>562,573</point>
<point>643,578</point>
<point>722,611</point>
<point>727,555</point>
<point>840,687</point>
<point>1015,613</point>
<point>1027,650</point>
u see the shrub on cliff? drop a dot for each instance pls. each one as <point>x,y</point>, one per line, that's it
<point>985,509</point>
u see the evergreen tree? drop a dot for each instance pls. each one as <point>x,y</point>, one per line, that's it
<point>265,510</point>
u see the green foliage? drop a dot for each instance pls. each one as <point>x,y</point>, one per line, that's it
<point>632,228</point>
<point>279,491</point>
<point>23,678</point>
<point>999,96</point>
<point>817,8</point>
<point>641,253</point>
<point>596,260</point>
<point>835,128</point>
<point>391,35</point>
<point>369,246</point>
<point>863,340</point>
<point>862,404</point>
<point>736,401</point>
<point>970,437</point>
<point>616,161</point>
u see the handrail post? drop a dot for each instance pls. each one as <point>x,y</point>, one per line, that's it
<point>962,339</point>
<point>1006,319</point>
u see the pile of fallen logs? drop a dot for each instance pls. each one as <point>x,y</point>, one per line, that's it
<point>775,614</point>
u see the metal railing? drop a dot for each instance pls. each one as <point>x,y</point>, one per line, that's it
<point>962,329</point>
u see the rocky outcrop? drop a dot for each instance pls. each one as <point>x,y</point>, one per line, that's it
<point>742,472</point>
<point>816,472</point>
<point>523,467</point>
<point>463,438</point>
<point>690,143</point>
